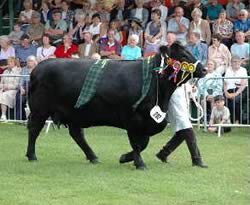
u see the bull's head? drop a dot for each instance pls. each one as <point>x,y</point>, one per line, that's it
<point>179,65</point>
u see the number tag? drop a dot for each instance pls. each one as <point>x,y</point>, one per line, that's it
<point>157,115</point>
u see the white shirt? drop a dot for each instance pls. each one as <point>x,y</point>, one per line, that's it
<point>138,13</point>
<point>94,30</point>
<point>178,113</point>
<point>6,54</point>
<point>240,50</point>
<point>44,53</point>
<point>87,49</point>
<point>231,83</point>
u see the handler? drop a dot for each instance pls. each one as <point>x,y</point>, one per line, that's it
<point>179,118</point>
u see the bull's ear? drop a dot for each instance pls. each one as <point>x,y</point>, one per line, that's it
<point>165,50</point>
<point>177,46</point>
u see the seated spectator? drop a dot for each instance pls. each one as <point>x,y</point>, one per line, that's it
<point>8,87</point>
<point>56,27</point>
<point>78,28</point>
<point>46,13</point>
<point>89,47</point>
<point>210,86</point>
<point>179,25</point>
<point>36,29</point>
<point>94,28</point>
<point>22,92</point>
<point>235,89</point>
<point>233,9</point>
<point>136,28</point>
<point>220,115</point>
<point>6,51</point>
<point>25,15</point>
<point>46,50</point>
<point>25,49</point>
<point>158,4</point>
<point>109,47</point>
<point>243,22</point>
<point>197,48</point>
<point>213,11</point>
<point>67,14</point>
<point>201,26</point>
<point>67,49</point>
<point>131,51</point>
<point>115,26</point>
<point>56,4</point>
<point>241,48</point>
<point>224,27</point>
<point>219,53</point>
<point>15,35</point>
<point>193,5</point>
<point>154,34</point>
<point>140,12</point>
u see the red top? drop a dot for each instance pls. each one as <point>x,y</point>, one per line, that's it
<point>60,53</point>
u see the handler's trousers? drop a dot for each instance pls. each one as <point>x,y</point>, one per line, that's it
<point>189,136</point>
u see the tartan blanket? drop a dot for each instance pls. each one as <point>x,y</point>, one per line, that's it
<point>148,65</point>
<point>90,83</point>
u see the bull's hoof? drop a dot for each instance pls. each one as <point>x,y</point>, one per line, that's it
<point>141,168</point>
<point>94,161</point>
<point>31,157</point>
<point>125,158</point>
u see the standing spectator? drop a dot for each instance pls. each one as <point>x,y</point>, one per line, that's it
<point>56,27</point>
<point>224,27</point>
<point>6,51</point>
<point>22,92</point>
<point>15,35</point>
<point>241,49</point>
<point>243,22</point>
<point>8,88</point>
<point>67,14</point>
<point>25,49</point>
<point>36,29</point>
<point>219,53</point>
<point>136,28</point>
<point>201,26</point>
<point>67,49</point>
<point>140,12</point>
<point>197,48</point>
<point>233,9</point>
<point>158,4</point>
<point>46,50</point>
<point>109,47</point>
<point>235,89</point>
<point>131,51</point>
<point>220,115</point>
<point>179,25</point>
<point>213,11</point>
<point>154,34</point>
<point>25,15</point>
<point>89,47</point>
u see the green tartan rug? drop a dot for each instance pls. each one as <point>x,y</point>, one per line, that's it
<point>148,66</point>
<point>90,83</point>
<point>94,76</point>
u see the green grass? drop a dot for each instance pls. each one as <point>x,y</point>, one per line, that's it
<point>62,176</point>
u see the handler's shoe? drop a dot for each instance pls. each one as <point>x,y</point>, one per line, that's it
<point>200,164</point>
<point>162,157</point>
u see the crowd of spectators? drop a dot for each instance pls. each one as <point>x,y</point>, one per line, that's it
<point>215,32</point>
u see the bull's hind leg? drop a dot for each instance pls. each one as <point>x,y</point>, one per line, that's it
<point>35,125</point>
<point>138,144</point>
<point>78,136</point>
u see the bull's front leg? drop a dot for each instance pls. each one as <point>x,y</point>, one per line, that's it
<point>138,144</point>
<point>78,136</point>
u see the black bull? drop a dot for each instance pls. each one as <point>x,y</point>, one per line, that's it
<point>55,86</point>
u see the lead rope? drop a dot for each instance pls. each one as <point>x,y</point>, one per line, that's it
<point>198,105</point>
